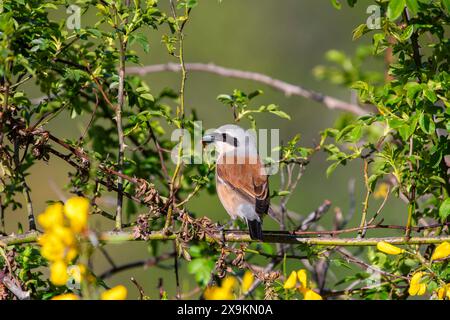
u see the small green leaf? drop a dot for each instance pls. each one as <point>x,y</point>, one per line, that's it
<point>426,123</point>
<point>395,9</point>
<point>337,4</point>
<point>444,209</point>
<point>359,31</point>
<point>281,114</point>
<point>254,94</point>
<point>147,96</point>
<point>331,168</point>
<point>413,6</point>
<point>430,95</point>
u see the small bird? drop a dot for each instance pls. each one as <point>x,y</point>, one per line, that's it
<point>241,182</point>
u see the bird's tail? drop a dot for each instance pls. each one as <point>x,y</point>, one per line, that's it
<point>255,229</point>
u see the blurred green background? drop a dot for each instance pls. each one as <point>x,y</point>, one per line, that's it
<point>284,39</point>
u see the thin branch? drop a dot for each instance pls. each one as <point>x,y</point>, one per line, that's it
<point>135,264</point>
<point>363,223</point>
<point>315,215</point>
<point>177,274</point>
<point>180,115</point>
<point>287,88</point>
<point>350,258</point>
<point>118,118</point>
<point>241,236</point>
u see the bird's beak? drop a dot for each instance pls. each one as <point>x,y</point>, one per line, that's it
<point>207,139</point>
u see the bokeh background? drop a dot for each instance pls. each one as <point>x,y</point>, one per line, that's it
<point>284,39</point>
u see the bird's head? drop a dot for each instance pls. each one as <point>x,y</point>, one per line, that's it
<point>232,138</point>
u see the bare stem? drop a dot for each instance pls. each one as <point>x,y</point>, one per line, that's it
<point>287,88</point>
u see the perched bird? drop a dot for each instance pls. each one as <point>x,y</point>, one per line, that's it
<point>241,182</point>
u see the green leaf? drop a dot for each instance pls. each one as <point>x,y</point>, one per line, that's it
<point>395,9</point>
<point>254,94</point>
<point>444,209</point>
<point>412,90</point>
<point>407,33</point>
<point>430,95</point>
<point>359,31</point>
<point>426,123</point>
<point>331,168</point>
<point>147,96</point>
<point>281,114</point>
<point>446,4</point>
<point>202,269</point>
<point>337,4</point>
<point>413,6</point>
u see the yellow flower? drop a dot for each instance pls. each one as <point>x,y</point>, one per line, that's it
<point>218,293</point>
<point>52,216</point>
<point>302,277</point>
<point>311,295</point>
<point>58,273</point>
<point>58,244</point>
<point>66,296</point>
<point>70,254</point>
<point>228,283</point>
<point>76,210</point>
<point>389,248</point>
<point>442,251</point>
<point>117,293</point>
<point>52,248</point>
<point>291,281</point>
<point>444,292</point>
<point>247,281</point>
<point>382,191</point>
<point>65,235</point>
<point>224,292</point>
<point>416,286</point>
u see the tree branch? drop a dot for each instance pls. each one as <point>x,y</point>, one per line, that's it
<point>287,88</point>
<point>240,236</point>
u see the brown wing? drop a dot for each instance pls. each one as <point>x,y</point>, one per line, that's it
<point>248,180</point>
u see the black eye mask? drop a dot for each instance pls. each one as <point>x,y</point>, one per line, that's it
<point>230,139</point>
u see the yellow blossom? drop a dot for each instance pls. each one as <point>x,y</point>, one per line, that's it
<point>302,277</point>
<point>117,293</point>
<point>76,210</point>
<point>52,216</point>
<point>58,244</point>
<point>58,273</point>
<point>416,286</point>
<point>442,251</point>
<point>224,292</point>
<point>291,281</point>
<point>311,295</point>
<point>389,248</point>
<point>247,281</point>
<point>444,292</point>
<point>229,282</point>
<point>66,296</point>
<point>218,293</point>
<point>65,235</point>
<point>382,191</point>
<point>70,254</point>
<point>52,248</point>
